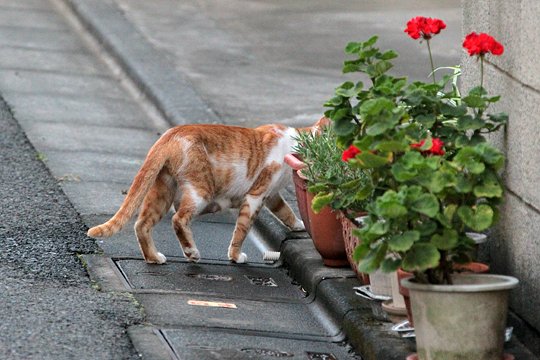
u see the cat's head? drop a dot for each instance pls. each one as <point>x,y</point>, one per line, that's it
<point>318,126</point>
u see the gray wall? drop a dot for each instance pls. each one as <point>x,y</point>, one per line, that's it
<point>515,245</point>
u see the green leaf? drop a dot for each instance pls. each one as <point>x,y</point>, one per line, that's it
<point>463,184</point>
<point>468,158</point>
<point>474,101</point>
<point>467,122</point>
<point>390,205</point>
<point>388,55</point>
<point>391,146</point>
<point>426,228</point>
<point>490,155</point>
<point>335,101</point>
<point>449,212</point>
<point>320,201</point>
<point>364,193</point>
<point>445,241</point>
<point>401,173</point>
<point>490,187</point>
<point>353,47</point>
<point>404,241</point>
<point>368,160</point>
<point>478,218</point>
<point>420,257</point>
<point>373,259</point>
<point>389,265</point>
<point>379,68</point>
<point>426,204</point>
<point>374,107</point>
<point>371,41</point>
<point>499,118</point>
<point>344,126</point>
<point>317,188</point>
<point>426,119</point>
<point>453,111</point>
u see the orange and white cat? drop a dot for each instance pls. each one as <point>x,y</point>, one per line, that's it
<point>207,168</point>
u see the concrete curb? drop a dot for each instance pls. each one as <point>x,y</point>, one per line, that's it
<point>155,75</point>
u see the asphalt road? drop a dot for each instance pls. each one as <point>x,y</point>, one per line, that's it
<point>49,309</point>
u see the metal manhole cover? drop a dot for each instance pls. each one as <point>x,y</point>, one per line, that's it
<point>320,356</point>
<point>211,277</point>
<point>267,352</point>
<point>261,281</point>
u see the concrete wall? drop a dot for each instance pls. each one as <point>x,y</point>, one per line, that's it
<point>515,245</point>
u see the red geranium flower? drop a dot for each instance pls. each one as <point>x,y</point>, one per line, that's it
<point>424,27</point>
<point>436,147</point>
<point>481,44</point>
<point>350,153</point>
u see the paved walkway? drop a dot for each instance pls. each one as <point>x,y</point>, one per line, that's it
<point>93,108</point>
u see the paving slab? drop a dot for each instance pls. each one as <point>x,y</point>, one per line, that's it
<point>39,19</point>
<point>193,343</point>
<point>212,239</point>
<point>94,197</point>
<point>56,61</point>
<point>79,109</point>
<point>270,318</point>
<point>100,139</point>
<point>40,39</point>
<point>228,280</point>
<point>60,84</point>
<point>85,166</point>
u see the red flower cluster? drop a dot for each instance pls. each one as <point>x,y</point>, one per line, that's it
<point>481,44</point>
<point>350,153</point>
<point>436,147</point>
<point>424,27</point>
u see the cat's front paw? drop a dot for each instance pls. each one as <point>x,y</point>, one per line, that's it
<point>240,259</point>
<point>192,254</point>
<point>298,226</point>
<point>158,259</point>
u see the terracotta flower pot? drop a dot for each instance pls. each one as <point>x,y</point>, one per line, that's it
<point>351,242</point>
<point>300,188</point>
<point>327,235</point>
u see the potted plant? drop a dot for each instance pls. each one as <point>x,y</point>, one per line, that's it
<point>330,182</point>
<point>434,178</point>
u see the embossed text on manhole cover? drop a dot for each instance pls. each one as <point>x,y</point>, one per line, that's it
<point>320,356</point>
<point>261,281</point>
<point>267,352</point>
<point>211,277</point>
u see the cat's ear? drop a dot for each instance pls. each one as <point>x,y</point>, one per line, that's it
<point>320,125</point>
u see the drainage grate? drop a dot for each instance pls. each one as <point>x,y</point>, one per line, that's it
<point>267,352</point>
<point>261,281</point>
<point>211,277</point>
<point>320,356</point>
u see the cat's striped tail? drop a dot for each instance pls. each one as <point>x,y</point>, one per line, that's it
<point>145,178</point>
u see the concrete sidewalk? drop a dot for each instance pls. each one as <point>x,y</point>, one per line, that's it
<point>94,82</point>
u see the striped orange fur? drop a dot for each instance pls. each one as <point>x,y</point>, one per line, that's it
<point>207,168</point>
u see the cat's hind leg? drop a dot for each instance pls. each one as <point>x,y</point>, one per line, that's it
<point>155,205</point>
<point>190,205</point>
<point>248,211</point>
<point>283,212</point>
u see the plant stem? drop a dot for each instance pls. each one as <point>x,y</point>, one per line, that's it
<point>431,61</point>
<point>481,71</point>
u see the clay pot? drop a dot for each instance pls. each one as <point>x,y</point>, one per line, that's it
<point>472,267</point>
<point>300,188</point>
<point>465,320</point>
<point>351,242</point>
<point>327,234</point>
